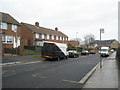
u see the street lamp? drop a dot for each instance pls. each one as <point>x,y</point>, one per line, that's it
<point>76,40</point>
<point>16,40</point>
<point>101,31</point>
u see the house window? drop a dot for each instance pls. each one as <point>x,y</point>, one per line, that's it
<point>56,37</point>
<point>48,37</point>
<point>37,35</point>
<point>52,37</point>
<point>63,38</point>
<point>7,39</point>
<point>14,28</point>
<point>4,26</point>
<point>3,39</point>
<point>43,36</point>
<point>60,38</point>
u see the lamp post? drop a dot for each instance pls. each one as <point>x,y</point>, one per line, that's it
<point>76,40</point>
<point>16,39</point>
<point>101,31</point>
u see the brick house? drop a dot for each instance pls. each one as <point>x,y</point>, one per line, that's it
<point>109,43</point>
<point>10,30</point>
<point>35,34</point>
<point>73,43</point>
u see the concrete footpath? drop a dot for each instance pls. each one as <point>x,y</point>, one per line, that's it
<point>105,77</point>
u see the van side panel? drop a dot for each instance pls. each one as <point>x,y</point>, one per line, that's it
<point>51,50</point>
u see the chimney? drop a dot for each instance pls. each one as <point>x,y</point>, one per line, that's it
<point>37,24</point>
<point>56,29</point>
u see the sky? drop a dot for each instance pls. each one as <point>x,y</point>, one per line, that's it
<point>75,18</point>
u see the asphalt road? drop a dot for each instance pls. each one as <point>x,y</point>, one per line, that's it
<point>49,74</point>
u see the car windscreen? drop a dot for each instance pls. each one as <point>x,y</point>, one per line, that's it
<point>104,49</point>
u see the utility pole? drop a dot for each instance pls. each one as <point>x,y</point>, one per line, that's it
<point>101,31</point>
<point>16,39</point>
<point>76,40</point>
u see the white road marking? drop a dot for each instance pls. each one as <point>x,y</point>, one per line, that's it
<point>38,75</point>
<point>9,63</point>
<point>70,81</point>
<point>22,63</point>
<point>9,74</point>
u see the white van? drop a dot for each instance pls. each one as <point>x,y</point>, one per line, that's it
<point>104,51</point>
<point>53,50</point>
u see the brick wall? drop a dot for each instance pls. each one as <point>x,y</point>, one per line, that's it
<point>27,34</point>
<point>11,33</point>
<point>73,43</point>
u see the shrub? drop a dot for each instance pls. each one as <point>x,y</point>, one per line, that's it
<point>118,54</point>
<point>30,52</point>
<point>29,47</point>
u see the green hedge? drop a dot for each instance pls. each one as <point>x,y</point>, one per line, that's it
<point>118,54</point>
<point>32,47</point>
<point>32,50</point>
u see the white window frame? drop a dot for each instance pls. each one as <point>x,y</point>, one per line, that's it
<point>14,27</point>
<point>48,36</point>
<point>63,38</point>
<point>7,39</point>
<point>43,36</point>
<point>37,35</point>
<point>60,38</point>
<point>52,37</point>
<point>4,25</point>
<point>56,37</point>
<point>4,39</point>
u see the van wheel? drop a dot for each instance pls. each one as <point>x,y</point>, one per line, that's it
<point>66,57</point>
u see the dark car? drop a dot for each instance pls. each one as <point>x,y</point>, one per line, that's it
<point>73,53</point>
<point>92,52</point>
<point>85,52</point>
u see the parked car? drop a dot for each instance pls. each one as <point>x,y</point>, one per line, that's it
<point>112,50</point>
<point>85,52</point>
<point>73,53</point>
<point>92,52</point>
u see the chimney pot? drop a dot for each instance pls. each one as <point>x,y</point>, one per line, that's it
<point>56,29</point>
<point>37,24</point>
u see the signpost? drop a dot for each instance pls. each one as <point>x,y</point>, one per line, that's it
<point>16,39</point>
<point>101,31</point>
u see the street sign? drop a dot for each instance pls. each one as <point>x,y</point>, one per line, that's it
<point>102,30</point>
<point>16,37</point>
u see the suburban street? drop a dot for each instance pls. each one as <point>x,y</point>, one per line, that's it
<point>49,74</point>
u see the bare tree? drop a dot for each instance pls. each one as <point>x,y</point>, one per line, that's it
<point>89,40</point>
<point>79,40</point>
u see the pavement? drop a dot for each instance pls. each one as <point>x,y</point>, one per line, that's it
<point>105,77</point>
<point>19,59</point>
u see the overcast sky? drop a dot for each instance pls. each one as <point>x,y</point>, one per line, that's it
<point>70,16</point>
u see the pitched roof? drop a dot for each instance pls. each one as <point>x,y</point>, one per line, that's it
<point>8,18</point>
<point>44,30</point>
<point>105,42</point>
